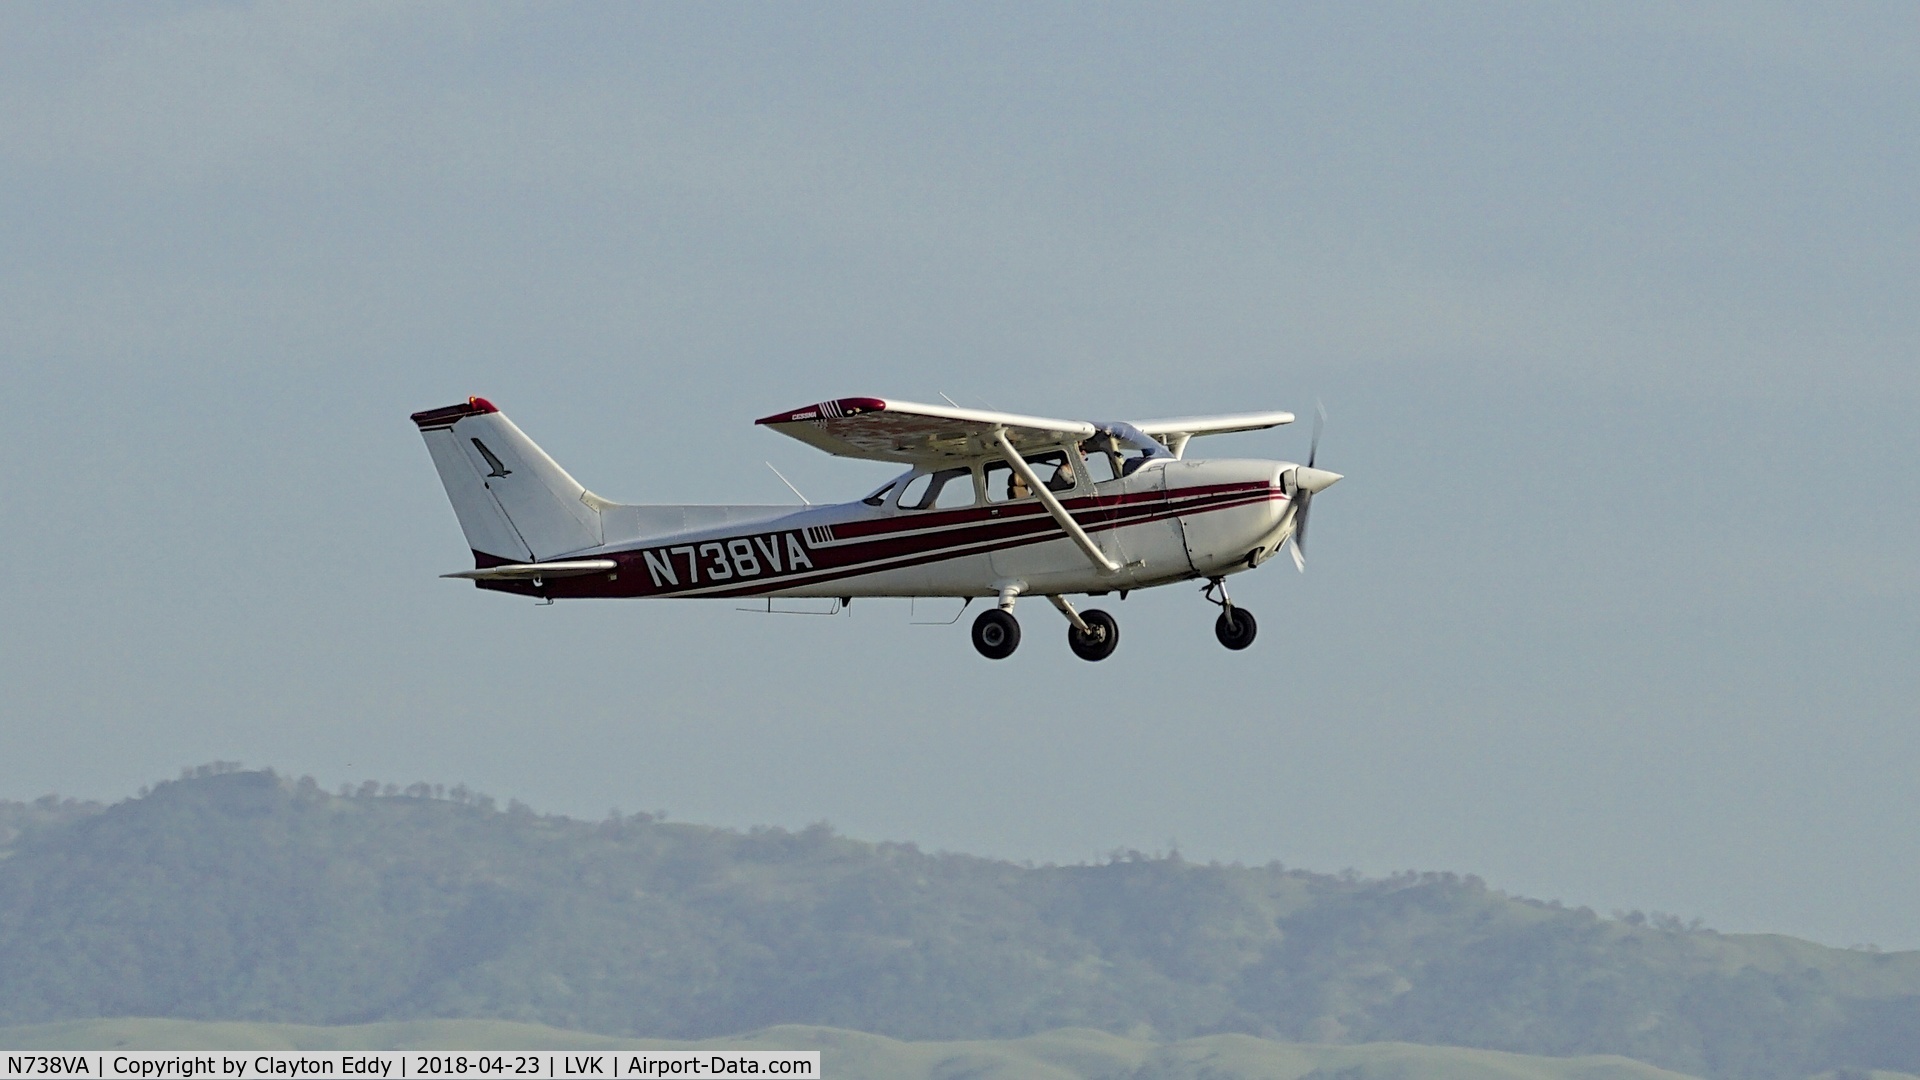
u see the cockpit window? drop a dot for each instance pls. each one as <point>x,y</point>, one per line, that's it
<point>1102,465</point>
<point>943,490</point>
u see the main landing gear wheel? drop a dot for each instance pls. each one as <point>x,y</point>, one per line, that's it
<point>996,634</point>
<point>1098,645</point>
<point>1235,628</point>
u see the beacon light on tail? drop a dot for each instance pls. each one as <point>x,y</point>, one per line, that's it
<point>991,505</point>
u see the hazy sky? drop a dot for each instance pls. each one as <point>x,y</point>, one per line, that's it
<point>1613,310</point>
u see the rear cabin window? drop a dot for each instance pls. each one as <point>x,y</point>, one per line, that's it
<point>947,489</point>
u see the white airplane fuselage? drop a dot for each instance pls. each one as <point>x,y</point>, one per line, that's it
<point>993,504</point>
<point>1166,520</point>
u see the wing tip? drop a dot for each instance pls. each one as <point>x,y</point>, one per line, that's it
<point>827,410</point>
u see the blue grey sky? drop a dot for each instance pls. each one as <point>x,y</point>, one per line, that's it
<point>1612,309</point>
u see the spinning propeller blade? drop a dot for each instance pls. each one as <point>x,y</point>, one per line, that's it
<point>1306,481</point>
<point>1319,422</point>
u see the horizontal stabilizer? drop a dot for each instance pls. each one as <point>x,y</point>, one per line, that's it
<point>533,571</point>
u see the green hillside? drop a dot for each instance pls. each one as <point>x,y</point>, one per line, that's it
<point>247,896</point>
<point>1070,1054</point>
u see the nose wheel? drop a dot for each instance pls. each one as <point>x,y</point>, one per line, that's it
<point>996,633</point>
<point>1236,626</point>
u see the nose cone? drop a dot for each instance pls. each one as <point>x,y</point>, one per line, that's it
<point>1313,480</point>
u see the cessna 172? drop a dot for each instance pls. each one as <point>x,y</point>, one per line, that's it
<point>992,505</point>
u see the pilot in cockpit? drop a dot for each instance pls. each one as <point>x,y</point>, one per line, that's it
<point>1061,480</point>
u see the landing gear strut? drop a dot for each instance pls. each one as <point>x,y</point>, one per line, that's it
<point>996,633</point>
<point>1236,626</point>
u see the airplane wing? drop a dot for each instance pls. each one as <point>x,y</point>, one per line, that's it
<point>881,430</point>
<point>1175,432</point>
<point>1212,425</point>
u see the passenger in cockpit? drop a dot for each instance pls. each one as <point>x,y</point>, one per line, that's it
<point>1063,479</point>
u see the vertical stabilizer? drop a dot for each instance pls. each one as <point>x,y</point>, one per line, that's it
<point>514,502</point>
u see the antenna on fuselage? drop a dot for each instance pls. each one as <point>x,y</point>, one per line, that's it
<point>789,483</point>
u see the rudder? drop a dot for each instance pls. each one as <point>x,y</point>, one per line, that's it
<point>514,502</point>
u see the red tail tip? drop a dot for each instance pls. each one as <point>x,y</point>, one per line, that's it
<point>481,405</point>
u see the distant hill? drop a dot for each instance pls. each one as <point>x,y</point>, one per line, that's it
<point>248,896</point>
<point>1074,1054</point>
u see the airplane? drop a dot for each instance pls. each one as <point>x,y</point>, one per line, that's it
<point>992,504</point>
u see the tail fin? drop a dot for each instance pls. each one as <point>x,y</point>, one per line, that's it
<point>513,501</point>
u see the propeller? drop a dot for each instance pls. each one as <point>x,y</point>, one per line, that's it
<point>1306,481</point>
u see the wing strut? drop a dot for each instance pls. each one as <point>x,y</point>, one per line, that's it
<point>1052,504</point>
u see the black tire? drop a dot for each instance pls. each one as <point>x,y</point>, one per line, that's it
<point>1101,643</point>
<point>996,634</point>
<point>1235,628</point>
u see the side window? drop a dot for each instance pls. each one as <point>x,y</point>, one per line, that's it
<point>879,498</point>
<point>1053,469</point>
<point>941,490</point>
<point>915,492</point>
<point>1003,484</point>
<point>957,493</point>
<point>1102,465</point>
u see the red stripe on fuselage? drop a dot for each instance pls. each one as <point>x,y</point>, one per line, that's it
<point>912,542</point>
<point>879,545</point>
